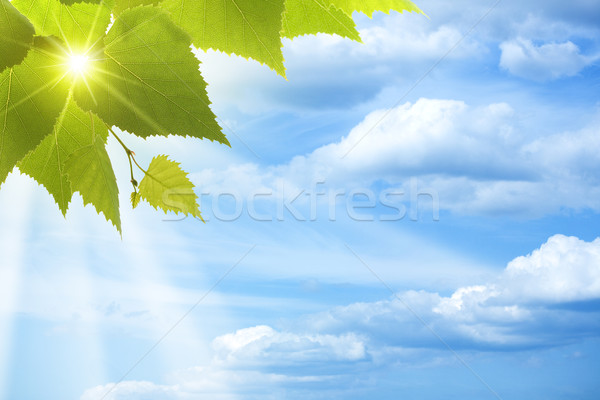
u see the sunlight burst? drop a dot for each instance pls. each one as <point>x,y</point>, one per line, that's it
<point>78,63</point>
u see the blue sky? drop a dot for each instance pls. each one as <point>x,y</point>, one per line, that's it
<point>407,218</point>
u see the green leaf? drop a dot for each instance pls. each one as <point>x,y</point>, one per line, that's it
<point>148,81</point>
<point>74,129</point>
<point>249,28</point>
<point>91,174</point>
<point>32,96</point>
<point>16,35</point>
<point>79,25</point>
<point>135,199</point>
<point>368,7</point>
<point>166,186</point>
<point>309,17</point>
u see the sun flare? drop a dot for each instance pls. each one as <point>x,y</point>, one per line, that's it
<point>78,63</point>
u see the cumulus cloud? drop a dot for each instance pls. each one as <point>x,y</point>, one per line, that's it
<point>545,62</point>
<point>265,345</point>
<point>531,303</point>
<point>526,305</point>
<point>563,269</point>
<point>480,160</point>
<point>428,137</point>
<point>386,140</point>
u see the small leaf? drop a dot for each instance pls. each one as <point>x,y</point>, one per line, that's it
<point>79,25</point>
<point>74,129</point>
<point>16,35</point>
<point>148,81</point>
<point>166,186</point>
<point>91,174</point>
<point>32,96</point>
<point>248,28</point>
<point>368,7</point>
<point>135,199</point>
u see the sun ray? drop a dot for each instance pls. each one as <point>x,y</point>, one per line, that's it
<point>47,86</point>
<point>87,85</point>
<point>64,37</point>
<point>93,27</point>
<point>16,214</point>
<point>124,101</point>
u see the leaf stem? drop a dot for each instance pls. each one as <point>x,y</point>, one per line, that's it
<point>138,165</point>
<point>133,181</point>
<point>118,139</point>
<point>130,157</point>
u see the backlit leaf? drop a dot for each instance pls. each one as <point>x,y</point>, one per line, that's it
<point>91,174</point>
<point>368,7</point>
<point>166,186</point>
<point>249,28</point>
<point>32,96</point>
<point>147,81</point>
<point>79,25</point>
<point>135,199</point>
<point>16,35</point>
<point>306,17</point>
<point>74,129</point>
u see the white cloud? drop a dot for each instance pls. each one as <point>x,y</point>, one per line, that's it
<point>207,383</point>
<point>131,390</point>
<point>430,136</point>
<point>264,345</point>
<point>522,300</point>
<point>411,37</point>
<point>480,160</point>
<point>545,62</point>
<point>520,309</point>
<point>539,19</point>
<point>563,269</point>
<point>532,303</point>
<point>329,72</point>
